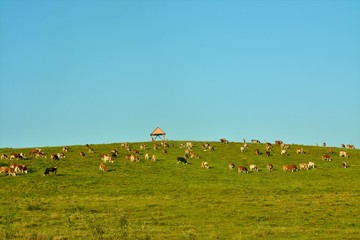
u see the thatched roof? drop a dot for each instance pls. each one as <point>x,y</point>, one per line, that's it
<point>157,132</point>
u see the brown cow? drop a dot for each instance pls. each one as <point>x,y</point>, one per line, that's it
<point>270,167</point>
<point>300,151</point>
<point>17,156</point>
<point>35,151</point>
<point>289,168</point>
<point>326,157</point>
<point>242,169</point>
<point>21,168</point>
<point>103,167</point>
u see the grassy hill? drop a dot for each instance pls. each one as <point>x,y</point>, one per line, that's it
<point>166,200</point>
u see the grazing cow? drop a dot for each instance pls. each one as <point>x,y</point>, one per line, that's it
<point>4,169</point>
<point>8,170</point>
<point>253,167</point>
<point>257,152</point>
<point>135,151</point>
<point>54,157</point>
<point>285,146</point>
<point>268,147</point>
<point>13,165</point>
<point>153,158</point>
<point>103,167</point>
<point>205,165</point>
<point>91,150</point>
<point>267,153</point>
<point>242,169</point>
<point>326,157</point>
<point>189,145</point>
<point>231,166</point>
<point>18,167</point>
<point>61,155</point>
<point>11,172</point>
<point>143,147</point>
<point>124,145</point>
<point>16,156</point>
<point>4,156</point>
<point>278,142</point>
<point>224,141</point>
<point>303,166</point>
<point>289,168</point>
<point>181,160</point>
<point>106,158</point>
<point>300,151</point>
<point>65,149</point>
<point>207,146</point>
<point>344,154</point>
<point>42,155</point>
<point>242,149</point>
<point>344,165</point>
<point>283,152</point>
<point>255,141</point>
<point>34,151</point>
<point>49,170</point>
<point>21,168</point>
<point>311,165</point>
<point>114,152</point>
<point>194,155</point>
<point>349,146</point>
<point>270,167</point>
<point>82,154</point>
<point>330,151</point>
<point>134,158</point>
<point>146,157</point>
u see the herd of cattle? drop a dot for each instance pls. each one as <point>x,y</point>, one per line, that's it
<point>133,155</point>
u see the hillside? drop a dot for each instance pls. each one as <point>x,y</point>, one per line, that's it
<point>166,200</point>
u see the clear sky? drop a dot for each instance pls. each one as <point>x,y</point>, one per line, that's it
<point>77,72</point>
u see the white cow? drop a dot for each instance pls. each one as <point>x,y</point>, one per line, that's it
<point>283,152</point>
<point>253,167</point>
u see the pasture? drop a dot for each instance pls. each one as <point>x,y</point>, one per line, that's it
<point>166,200</point>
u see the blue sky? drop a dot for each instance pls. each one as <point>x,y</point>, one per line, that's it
<point>77,72</point>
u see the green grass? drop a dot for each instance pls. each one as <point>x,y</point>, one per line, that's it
<point>166,200</point>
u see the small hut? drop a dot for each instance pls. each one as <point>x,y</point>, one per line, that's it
<point>157,133</point>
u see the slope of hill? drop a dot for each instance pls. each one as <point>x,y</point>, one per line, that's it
<point>166,200</point>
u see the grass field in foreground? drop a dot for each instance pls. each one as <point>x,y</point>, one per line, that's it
<point>166,200</point>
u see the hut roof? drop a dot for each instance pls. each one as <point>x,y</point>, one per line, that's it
<point>157,131</point>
